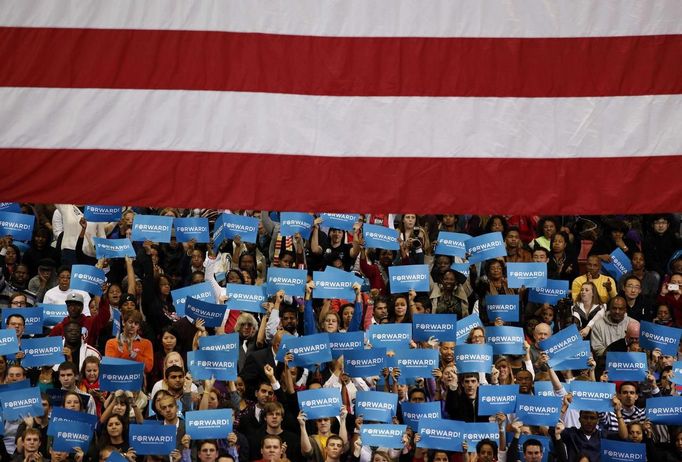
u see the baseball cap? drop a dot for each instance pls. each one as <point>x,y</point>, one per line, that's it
<point>128,298</point>
<point>74,297</point>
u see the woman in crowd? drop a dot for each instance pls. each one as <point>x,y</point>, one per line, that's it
<point>562,264</point>
<point>547,228</point>
<point>451,295</point>
<point>169,343</point>
<point>587,306</point>
<point>398,308</point>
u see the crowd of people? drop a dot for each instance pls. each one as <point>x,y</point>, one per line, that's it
<point>269,425</point>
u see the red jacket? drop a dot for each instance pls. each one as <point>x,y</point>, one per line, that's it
<point>92,324</point>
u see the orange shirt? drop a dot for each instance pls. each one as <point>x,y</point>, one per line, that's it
<point>141,346</point>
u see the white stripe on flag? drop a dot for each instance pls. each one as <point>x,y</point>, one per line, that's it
<point>340,126</point>
<point>359,18</point>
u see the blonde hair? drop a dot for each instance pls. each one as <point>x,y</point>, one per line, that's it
<point>165,360</point>
<point>244,318</point>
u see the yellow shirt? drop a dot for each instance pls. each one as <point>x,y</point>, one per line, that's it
<point>604,295</point>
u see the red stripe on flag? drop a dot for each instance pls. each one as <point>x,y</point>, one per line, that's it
<point>341,66</point>
<point>333,184</point>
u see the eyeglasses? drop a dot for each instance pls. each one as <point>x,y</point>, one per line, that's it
<point>632,286</point>
<point>18,303</point>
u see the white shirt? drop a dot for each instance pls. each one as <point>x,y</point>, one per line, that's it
<point>71,216</point>
<point>56,296</point>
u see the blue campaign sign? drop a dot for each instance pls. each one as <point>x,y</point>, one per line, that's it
<point>620,451</point>
<point>497,398</point>
<point>554,291</point>
<point>416,362</point>
<point>102,213</point>
<point>228,226</point>
<point>440,326</point>
<point>342,342</point>
<point>116,456</point>
<point>559,345</point>
<point>485,247</point>
<point>376,406</point>
<point>404,278</point>
<point>244,297</point>
<point>13,207</point>
<point>220,365</point>
<point>17,225</point>
<point>151,228</point>
<point>202,291</point>
<point>526,275</point>
<point>505,340</point>
<point>475,432</point>
<point>463,268</point>
<point>227,342</point>
<point>33,319</point>
<point>115,322</point>
<point>442,434</point>
<point>128,376</point>
<point>211,313</point>
<point>187,229</point>
<point>364,363</point>
<point>113,248</point>
<point>452,244</point>
<point>390,335</point>
<point>71,435</point>
<point>666,410</point>
<point>380,237</point>
<point>382,435</point>
<point>45,351</point>
<point>307,349</point>
<point>579,355</point>
<point>473,358</point>
<point>342,221</point>
<point>413,413</point>
<point>465,325</point>
<point>20,385</point>
<point>626,366</point>
<point>291,281</point>
<point>210,424</point>
<point>505,307</point>
<point>59,414</point>
<point>296,222</point>
<point>592,396</point>
<point>9,343</point>
<point>17,404</point>
<point>334,284</point>
<point>619,265</point>
<point>543,388</point>
<point>534,410</point>
<point>666,339</point>
<point>323,402</point>
<point>87,278</point>
<point>158,440</point>
<point>677,373</point>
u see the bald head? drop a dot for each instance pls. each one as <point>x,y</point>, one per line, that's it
<point>632,332</point>
<point>277,339</point>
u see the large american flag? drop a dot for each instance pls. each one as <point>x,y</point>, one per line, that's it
<point>485,106</point>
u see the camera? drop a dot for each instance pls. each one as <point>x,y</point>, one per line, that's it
<point>415,241</point>
<point>673,287</point>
